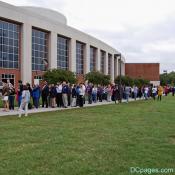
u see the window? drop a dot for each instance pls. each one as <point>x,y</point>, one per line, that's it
<point>9,45</point>
<point>62,52</point>
<point>5,77</point>
<point>102,56</point>
<point>79,57</point>
<point>39,50</point>
<point>93,58</point>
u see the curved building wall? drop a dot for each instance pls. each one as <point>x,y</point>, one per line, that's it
<point>29,20</point>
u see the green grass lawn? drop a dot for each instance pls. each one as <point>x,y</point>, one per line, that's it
<point>102,140</point>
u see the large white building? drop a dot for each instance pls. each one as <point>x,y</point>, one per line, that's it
<point>32,36</point>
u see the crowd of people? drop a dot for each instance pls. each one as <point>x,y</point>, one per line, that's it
<point>64,94</point>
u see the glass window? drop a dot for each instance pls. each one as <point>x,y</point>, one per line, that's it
<point>102,56</point>
<point>79,57</point>
<point>39,50</point>
<point>93,58</point>
<point>62,53</point>
<point>9,44</point>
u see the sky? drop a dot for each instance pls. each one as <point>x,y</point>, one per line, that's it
<point>142,30</point>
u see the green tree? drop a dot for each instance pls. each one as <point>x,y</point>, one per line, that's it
<point>53,76</point>
<point>167,78</point>
<point>97,77</point>
<point>126,80</point>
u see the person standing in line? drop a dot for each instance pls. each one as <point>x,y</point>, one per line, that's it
<point>146,90</point>
<point>114,93</point>
<point>81,95</point>
<point>65,94</point>
<point>135,90</point>
<point>59,95</point>
<point>69,97</point>
<point>160,93</point>
<point>36,95</point>
<point>5,96</point>
<point>109,93</point>
<point>154,92</point>
<point>89,93</point>
<point>19,92</point>
<point>127,92</point>
<point>99,93</point>
<point>94,94</point>
<point>11,97</point>
<point>25,101</point>
<point>45,94</point>
<point>74,95</point>
<point>52,95</point>
<point>173,90</point>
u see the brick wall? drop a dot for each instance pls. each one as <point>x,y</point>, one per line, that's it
<point>148,71</point>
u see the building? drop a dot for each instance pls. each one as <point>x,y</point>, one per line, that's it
<point>33,39</point>
<point>148,71</point>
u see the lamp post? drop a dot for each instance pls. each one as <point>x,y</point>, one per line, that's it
<point>120,74</point>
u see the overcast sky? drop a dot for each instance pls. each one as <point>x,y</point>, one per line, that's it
<point>142,30</point>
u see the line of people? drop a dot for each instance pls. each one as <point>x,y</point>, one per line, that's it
<point>65,94</point>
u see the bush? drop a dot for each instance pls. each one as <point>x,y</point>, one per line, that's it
<point>126,80</point>
<point>97,77</point>
<point>53,76</point>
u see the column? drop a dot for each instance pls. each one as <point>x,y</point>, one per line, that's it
<point>52,50</point>
<point>106,64</point>
<point>112,68</point>
<point>98,60</point>
<point>72,55</point>
<point>87,59</point>
<point>26,53</point>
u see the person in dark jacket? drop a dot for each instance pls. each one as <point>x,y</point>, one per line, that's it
<point>52,95</point>
<point>74,95</point>
<point>11,97</point>
<point>36,95</point>
<point>19,92</point>
<point>89,93</point>
<point>45,94</point>
<point>65,92</point>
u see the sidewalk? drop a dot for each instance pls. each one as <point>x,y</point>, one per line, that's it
<point>15,112</point>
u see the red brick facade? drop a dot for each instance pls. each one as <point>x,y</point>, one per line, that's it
<point>148,71</point>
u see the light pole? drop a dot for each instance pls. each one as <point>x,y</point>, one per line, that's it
<point>120,75</point>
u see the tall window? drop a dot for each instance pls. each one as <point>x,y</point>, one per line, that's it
<point>39,50</point>
<point>109,63</point>
<point>93,58</point>
<point>62,52</point>
<point>102,56</point>
<point>79,57</point>
<point>9,44</point>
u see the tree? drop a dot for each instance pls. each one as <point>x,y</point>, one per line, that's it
<point>97,77</point>
<point>167,78</point>
<point>126,80</point>
<point>53,76</point>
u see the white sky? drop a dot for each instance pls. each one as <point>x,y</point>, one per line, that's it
<point>142,30</point>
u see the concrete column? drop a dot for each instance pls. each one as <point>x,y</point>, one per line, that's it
<point>26,53</point>
<point>98,60</point>
<point>106,64</point>
<point>123,68</point>
<point>112,68</point>
<point>52,50</point>
<point>72,55</point>
<point>87,59</point>
<point>115,67</point>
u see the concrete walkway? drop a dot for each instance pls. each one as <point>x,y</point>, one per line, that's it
<point>15,112</point>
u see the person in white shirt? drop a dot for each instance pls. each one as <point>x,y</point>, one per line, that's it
<point>135,90</point>
<point>146,92</point>
<point>59,101</point>
<point>25,101</point>
<point>154,92</point>
<point>81,95</point>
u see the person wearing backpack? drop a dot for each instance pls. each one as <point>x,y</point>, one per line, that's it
<point>25,101</point>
